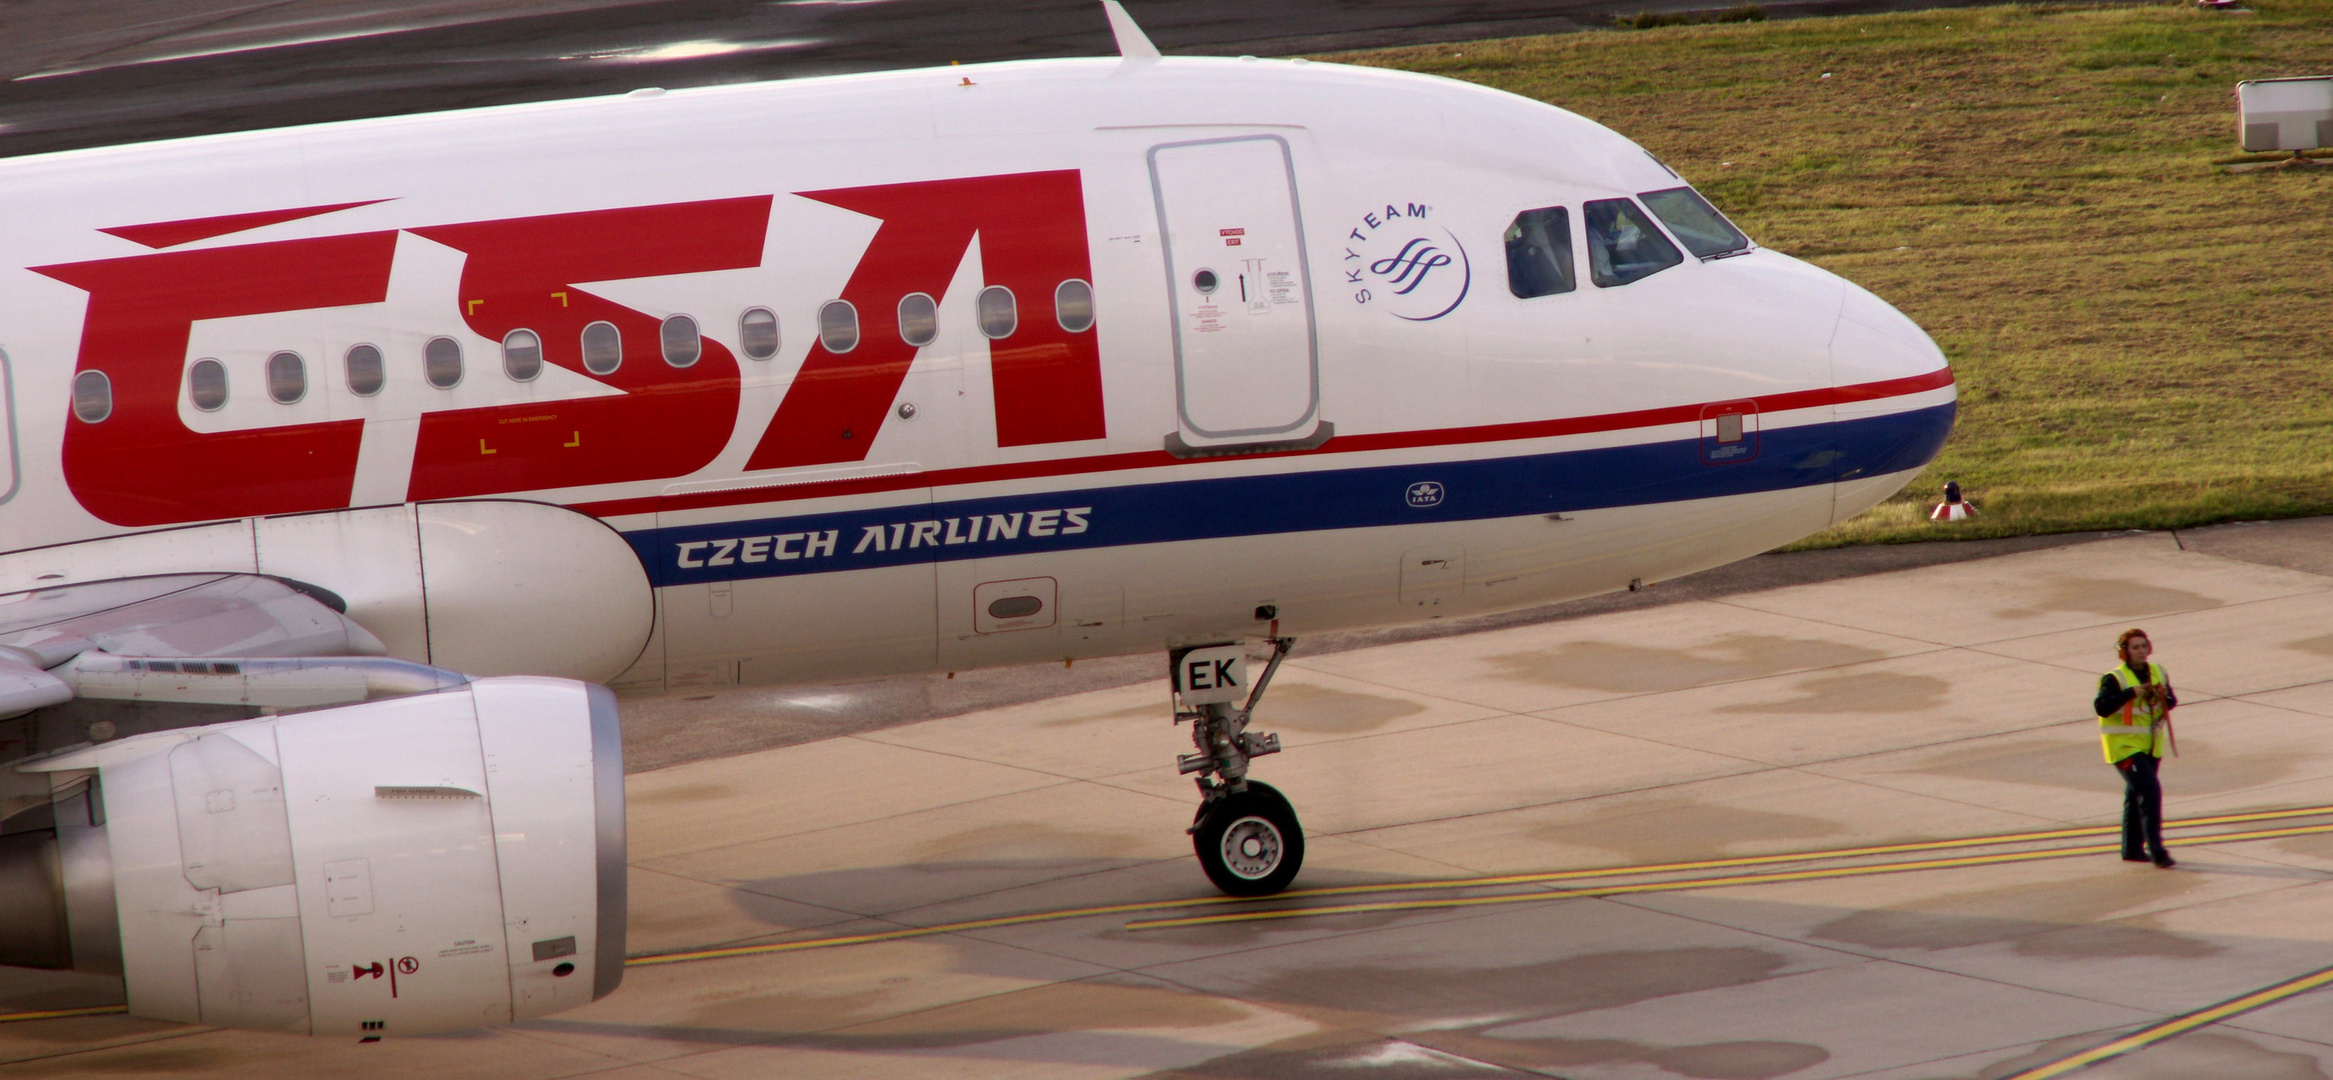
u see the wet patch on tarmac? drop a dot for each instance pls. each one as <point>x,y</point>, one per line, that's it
<point>1093,1005</point>
<point>1320,710</point>
<point>1672,829</point>
<point>1340,1054</point>
<point>1026,842</point>
<point>2074,762</point>
<point>2054,919</point>
<point>710,919</point>
<point>2114,598</point>
<point>1863,692</point>
<point>680,793</point>
<point>785,1013</point>
<point>881,890</point>
<point>2307,847</point>
<point>912,989</point>
<point>1642,669</point>
<point>136,1061</point>
<point>1760,1060</point>
<point>2188,1057</point>
<point>1494,995</point>
<point>2322,646</point>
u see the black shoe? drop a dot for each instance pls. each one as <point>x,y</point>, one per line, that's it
<point>2136,858</point>
<point>2163,859</point>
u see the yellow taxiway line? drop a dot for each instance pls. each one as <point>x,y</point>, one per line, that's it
<point>2136,1040</point>
<point>905,932</point>
<point>59,1014</point>
<point>1789,857</point>
<point>1997,858</point>
<point>2179,1025</point>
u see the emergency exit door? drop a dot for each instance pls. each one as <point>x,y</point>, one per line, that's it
<point>1246,349</point>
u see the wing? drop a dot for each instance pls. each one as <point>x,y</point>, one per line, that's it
<point>104,660</point>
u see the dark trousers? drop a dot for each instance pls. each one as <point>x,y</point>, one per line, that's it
<point>2142,806</point>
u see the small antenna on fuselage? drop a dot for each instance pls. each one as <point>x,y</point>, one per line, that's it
<point>1133,44</point>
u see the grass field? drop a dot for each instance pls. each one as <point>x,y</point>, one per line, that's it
<point>2141,338</point>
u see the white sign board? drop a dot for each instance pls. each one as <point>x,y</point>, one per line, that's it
<point>2285,114</point>
<point>1213,675</point>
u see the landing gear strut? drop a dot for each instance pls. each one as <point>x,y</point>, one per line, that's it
<point>1246,834</point>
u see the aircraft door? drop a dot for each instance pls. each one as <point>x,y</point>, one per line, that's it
<point>1246,347</point>
<point>11,470</point>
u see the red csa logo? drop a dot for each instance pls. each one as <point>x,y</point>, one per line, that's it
<point>142,466</point>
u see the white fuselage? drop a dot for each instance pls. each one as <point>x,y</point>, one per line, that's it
<point>1351,420</point>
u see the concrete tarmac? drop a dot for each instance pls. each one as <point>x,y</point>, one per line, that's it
<point>1918,705</point>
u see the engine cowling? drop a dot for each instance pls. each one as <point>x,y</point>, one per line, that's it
<point>488,587</point>
<point>420,864</point>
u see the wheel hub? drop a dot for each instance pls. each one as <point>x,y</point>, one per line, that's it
<point>1251,848</point>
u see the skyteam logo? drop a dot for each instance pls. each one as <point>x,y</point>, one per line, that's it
<point>1394,260</point>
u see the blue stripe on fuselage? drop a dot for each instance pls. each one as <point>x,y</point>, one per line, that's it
<point>1289,502</point>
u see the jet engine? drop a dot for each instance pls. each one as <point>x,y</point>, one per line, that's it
<point>418,864</point>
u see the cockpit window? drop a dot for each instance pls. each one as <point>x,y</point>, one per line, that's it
<point>1705,232</point>
<point>1539,253</point>
<point>1623,245</point>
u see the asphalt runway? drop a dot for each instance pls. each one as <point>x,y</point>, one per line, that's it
<point>1850,827</point>
<point>76,74</point>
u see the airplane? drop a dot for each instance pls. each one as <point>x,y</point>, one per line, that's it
<point>354,469</point>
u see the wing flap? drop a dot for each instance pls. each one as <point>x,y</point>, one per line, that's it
<point>268,682</point>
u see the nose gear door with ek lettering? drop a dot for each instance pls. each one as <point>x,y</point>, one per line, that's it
<point>1246,348</point>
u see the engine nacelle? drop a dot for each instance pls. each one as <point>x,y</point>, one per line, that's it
<point>488,587</point>
<point>420,864</point>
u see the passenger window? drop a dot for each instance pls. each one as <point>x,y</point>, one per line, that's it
<point>919,319</point>
<point>838,326</point>
<point>1073,306</point>
<point>999,315</point>
<point>206,384</point>
<point>366,372</point>
<point>1704,232</point>
<point>682,343</point>
<point>603,348</point>
<point>1623,245</point>
<point>441,362</point>
<point>92,396</point>
<point>287,377</point>
<point>1539,253</point>
<point>757,333</point>
<point>522,355</point>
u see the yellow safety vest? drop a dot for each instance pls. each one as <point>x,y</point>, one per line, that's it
<point>2134,730</point>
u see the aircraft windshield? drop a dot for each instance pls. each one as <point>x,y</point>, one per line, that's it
<point>1622,245</point>
<point>1704,231</point>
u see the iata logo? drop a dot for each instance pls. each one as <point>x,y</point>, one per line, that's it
<point>1425,493</point>
<point>1396,261</point>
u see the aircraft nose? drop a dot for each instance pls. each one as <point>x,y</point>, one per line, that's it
<point>1875,343</point>
<point>1894,397</point>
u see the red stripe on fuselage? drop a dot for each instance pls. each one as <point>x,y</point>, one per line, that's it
<point>782,491</point>
<point>1032,233</point>
<point>162,234</point>
<point>521,274</point>
<point>141,465</point>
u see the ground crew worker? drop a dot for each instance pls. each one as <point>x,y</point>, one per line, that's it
<point>2134,722</point>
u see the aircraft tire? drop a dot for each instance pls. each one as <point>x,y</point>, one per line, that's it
<point>1250,843</point>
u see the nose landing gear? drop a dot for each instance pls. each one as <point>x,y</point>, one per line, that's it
<point>1245,834</point>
